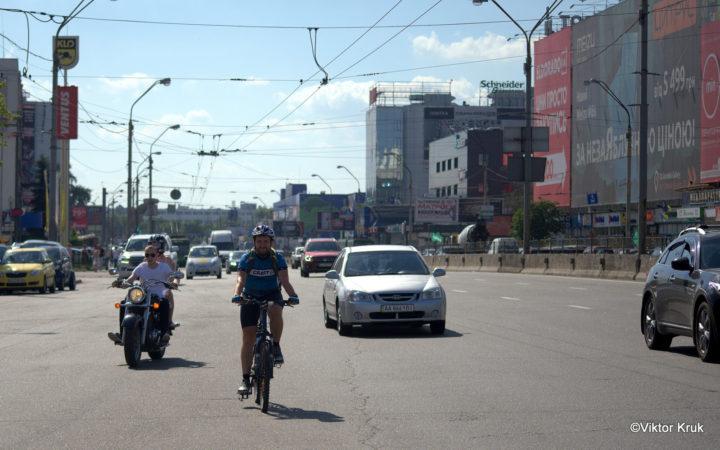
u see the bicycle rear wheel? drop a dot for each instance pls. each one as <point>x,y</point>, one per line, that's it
<point>266,357</point>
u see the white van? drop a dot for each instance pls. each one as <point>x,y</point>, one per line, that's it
<point>503,245</point>
<point>225,243</point>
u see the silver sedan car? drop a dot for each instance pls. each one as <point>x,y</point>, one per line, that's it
<point>382,284</point>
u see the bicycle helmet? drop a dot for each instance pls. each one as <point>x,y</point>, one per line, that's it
<point>263,230</point>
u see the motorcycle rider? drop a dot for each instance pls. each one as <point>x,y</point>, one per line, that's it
<point>149,270</point>
<point>161,246</point>
<point>261,273</point>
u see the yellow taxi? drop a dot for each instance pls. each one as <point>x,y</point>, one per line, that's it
<point>27,269</point>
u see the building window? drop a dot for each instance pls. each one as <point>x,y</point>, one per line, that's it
<point>443,166</point>
<point>437,167</point>
<point>455,187</point>
<point>437,192</point>
<point>456,162</point>
<point>449,163</point>
<point>443,191</point>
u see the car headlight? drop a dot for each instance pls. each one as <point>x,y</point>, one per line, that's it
<point>359,296</point>
<point>308,258</point>
<point>34,273</point>
<point>124,260</point>
<point>432,294</point>
<point>135,295</point>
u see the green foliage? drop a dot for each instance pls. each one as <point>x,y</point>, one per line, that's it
<point>545,219</point>
<point>6,117</point>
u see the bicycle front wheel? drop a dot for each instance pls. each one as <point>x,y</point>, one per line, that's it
<point>266,358</point>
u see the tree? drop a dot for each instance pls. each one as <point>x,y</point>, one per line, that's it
<point>79,195</point>
<point>6,117</point>
<point>545,219</point>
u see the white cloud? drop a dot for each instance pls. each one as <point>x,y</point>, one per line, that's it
<point>490,45</point>
<point>336,95</point>
<point>132,82</point>
<point>462,89</point>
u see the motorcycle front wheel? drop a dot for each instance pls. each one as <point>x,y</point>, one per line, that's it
<point>133,350</point>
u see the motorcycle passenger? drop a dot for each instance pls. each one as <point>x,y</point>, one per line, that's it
<point>148,270</point>
<point>261,273</point>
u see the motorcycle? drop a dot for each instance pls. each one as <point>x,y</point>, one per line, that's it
<point>140,324</point>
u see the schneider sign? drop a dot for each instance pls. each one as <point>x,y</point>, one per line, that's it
<point>501,85</point>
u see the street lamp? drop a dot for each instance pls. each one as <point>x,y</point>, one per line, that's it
<point>323,180</point>
<point>278,193</point>
<point>164,82</point>
<point>411,215</point>
<point>52,172</point>
<point>526,143</point>
<point>260,200</point>
<point>628,138</point>
<point>151,214</point>
<point>348,171</point>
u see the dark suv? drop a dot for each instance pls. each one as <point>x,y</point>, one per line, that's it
<point>682,293</point>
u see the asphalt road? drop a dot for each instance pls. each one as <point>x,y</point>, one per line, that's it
<point>526,361</point>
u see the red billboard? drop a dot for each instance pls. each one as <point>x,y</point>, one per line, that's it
<point>79,217</point>
<point>551,108</point>
<point>66,114</point>
<point>710,102</point>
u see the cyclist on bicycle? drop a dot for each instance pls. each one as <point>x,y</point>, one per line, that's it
<point>261,273</point>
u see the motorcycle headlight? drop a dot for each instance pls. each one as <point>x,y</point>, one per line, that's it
<point>135,295</point>
<point>359,296</point>
<point>308,258</point>
<point>34,273</point>
<point>432,294</point>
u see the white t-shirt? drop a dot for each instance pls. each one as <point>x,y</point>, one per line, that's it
<point>161,272</point>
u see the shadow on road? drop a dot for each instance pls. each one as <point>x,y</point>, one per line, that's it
<point>169,363</point>
<point>390,332</point>
<point>282,412</point>
<point>687,350</point>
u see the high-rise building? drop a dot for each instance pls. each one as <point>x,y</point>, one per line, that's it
<point>11,90</point>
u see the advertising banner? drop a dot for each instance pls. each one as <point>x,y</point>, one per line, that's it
<point>673,134</point>
<point>710,102</point>
<point>552,102</point>
<point>605,48</point>
<point>66,116</point>
<point>439,211</point>
<point>79,217</point>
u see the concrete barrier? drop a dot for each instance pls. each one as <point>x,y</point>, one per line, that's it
<point>536,264</point>
<point>490,263</point>
<point>512,263</point>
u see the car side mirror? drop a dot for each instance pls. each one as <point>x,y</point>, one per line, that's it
<point>681,264</point>
<point>438,272</point>
<point>332,275</point>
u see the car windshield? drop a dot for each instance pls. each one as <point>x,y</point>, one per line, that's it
<point>236,255</point>
<point>322,246</point>
<point>203,252</point>
<point>710,253</point>
<point>223,245</point>
<point>22,257</point>
<point>53,253</point>
<point>384,263</point>
<point>136,245</point>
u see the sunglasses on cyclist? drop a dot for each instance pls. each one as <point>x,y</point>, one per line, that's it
<point>150,255</point>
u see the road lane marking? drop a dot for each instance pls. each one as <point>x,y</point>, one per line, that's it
<point>459,291</point>
<point>639,295</point>
<point>577,288</point>
<point>510,298</point>
<point>521,283</point>
<point>579,307</point>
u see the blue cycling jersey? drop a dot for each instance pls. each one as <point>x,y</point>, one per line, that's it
<point>261,278</point>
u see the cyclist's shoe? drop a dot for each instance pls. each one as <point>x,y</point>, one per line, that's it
<point>115,337</point>
<point>245,388</point>
<point>277,354</point>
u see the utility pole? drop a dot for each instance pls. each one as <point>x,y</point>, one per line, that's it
<point>64,187</point>
<point>104,217</point>
<point>137,203</point>
<point>151,204</point>
<point>642,178</point>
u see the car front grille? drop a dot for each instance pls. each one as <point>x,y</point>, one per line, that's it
<point>397,296</point>
<point>16,274</point>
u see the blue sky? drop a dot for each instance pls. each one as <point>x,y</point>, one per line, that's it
<point>119,60</point>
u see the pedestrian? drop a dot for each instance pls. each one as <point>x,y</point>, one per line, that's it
<point>96,258</point>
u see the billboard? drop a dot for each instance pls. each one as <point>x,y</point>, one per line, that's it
<point>79,217</point>
<point>710,102</point>
<point>673,153</point>
<point>440,211</point>
<point>66,115</point>
<point>552,109</point>
<point>606,48</point>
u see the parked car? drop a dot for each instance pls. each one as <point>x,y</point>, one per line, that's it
<point>382,284</point>
<point>203,260</point>
<point>296,257</point>
<point>27,269</point>
<point>503,245</point>
<point>681,296</point>
<point>320,254</point>
<point>64,271</point>
<point>599,250</point>
<point>234,260</point>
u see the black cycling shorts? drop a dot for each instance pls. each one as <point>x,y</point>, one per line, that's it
<point>249,314</point>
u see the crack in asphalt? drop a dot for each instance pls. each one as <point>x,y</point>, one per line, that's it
<point>367,431</point>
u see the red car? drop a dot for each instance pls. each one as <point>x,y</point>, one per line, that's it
<point>320,254</point>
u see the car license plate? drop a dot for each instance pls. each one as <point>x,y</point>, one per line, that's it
<point>397,308</point>
<point>324,265</point>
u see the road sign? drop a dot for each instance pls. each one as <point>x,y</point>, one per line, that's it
<point>67,51</point>
<point>592,198</point>
<point>513,138</point>
<point>175,194</point>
